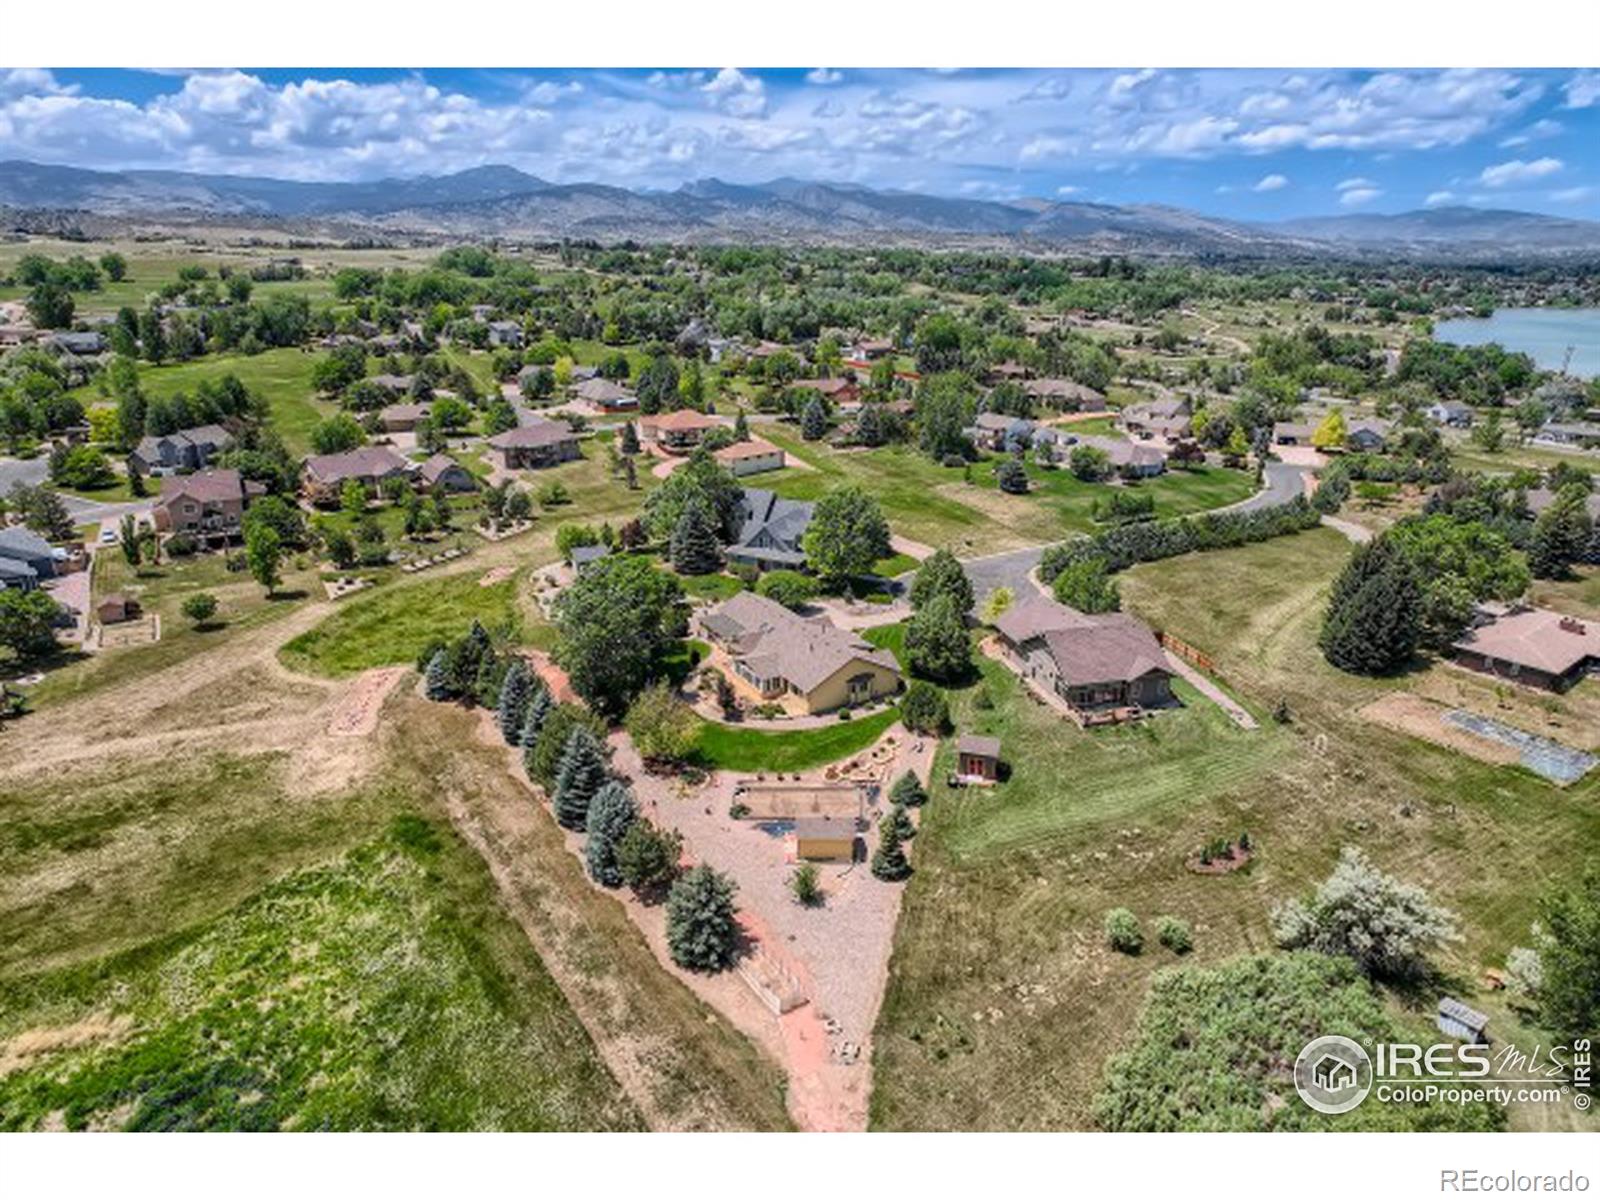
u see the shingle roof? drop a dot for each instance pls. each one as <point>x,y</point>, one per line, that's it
<point>777,642</point>
<point>780,521</point>
<point>1032,616</point>
<point>1107,648</point>
<point>24,542</point>
<point>681,421</point>
<point>978,745</point>
<point>754,448</point>
<point>1535,637</point>
<point>601,391</point>
<point>434,467</point>
<point>208,487</point>
<point>354,464</point>
<point>534,434</point>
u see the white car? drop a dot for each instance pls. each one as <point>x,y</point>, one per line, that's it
<point>108,536</point>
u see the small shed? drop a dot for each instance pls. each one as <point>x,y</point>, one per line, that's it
<point>978,757</point>
<point>1458,1021</point>
<point>116,608</point>
<point>824,839</point>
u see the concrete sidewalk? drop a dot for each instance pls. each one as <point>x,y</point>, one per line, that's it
<point>1236,712</point>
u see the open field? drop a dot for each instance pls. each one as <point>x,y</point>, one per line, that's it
<point>1004,1001</point>
<point>393,624</point>
<point>282,376</point>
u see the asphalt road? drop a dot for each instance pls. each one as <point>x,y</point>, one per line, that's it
<point>34,471</point>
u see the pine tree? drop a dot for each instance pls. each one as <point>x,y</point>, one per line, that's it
<point>1374,618</point>
<point>1012,477</point>
<point>902,823</point>
<point>630,439</point>
<point>537,709</point>
<point>889,860</point>
<point>694,547</point>
<point>611,814</point>
<point>741,426</point>
<point>813,420</point>
<point>516,689</point>
<point>1561,534</point>
<point>581,774</point>
<point>701,931</point>
<point>869,425</point>
<point>908,790</point>
<point>436,681</point>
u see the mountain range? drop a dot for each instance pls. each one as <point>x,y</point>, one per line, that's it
<point>503,202</point>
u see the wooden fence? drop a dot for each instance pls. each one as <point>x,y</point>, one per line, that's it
<point>1190,654</point>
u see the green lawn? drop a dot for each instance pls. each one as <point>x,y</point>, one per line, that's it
<point>392,624</point>
<point>282,376</point>
<point>889,637</point>
<point>741,748</point>
<point>1003,1001</point>
<point>389,1009</point>
<point>1176,492</point>
<point>710,587</point>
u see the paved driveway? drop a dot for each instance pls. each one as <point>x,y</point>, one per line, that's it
<point>1008,570</point>
<point>1282,483</point>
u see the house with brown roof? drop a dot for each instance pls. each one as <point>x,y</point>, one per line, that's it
<point>403,418</point>
<point>605,395</point>
<point>808,662</point>
<point>326,474</point>
<point>1168,418</point>
<point>676,432</point>
<point>1101,666</point>
<point>537,444</point>
<point>1065,394</point>
<point>208,504</point>
<point>1127,458</point>
<point>1538,647</point>
<point>750,457</point>
<point>441,473</point>
<point>838,391</point>
<point>978,757</point>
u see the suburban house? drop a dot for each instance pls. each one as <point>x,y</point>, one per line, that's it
<point>605,395</point>
<point>536,444</point>
<point>208,504</point>
<point>185,450</point>
<point>1008,370</point>
<point>1167,418</point>
<point>978,757</point>
<point>997,431</point>
<point>1449,412</point>
<point>810,661</point>
<point>1065,394</point>
<point>1368,434</point>
<point>751,457</point>
<point>1534,646</point>
<point>1127,458</point>
<point>441,473</point>
<point>837,391</point>
<point>398,384</point>
<point>1104,666</point>
<point>505,333</point>
<point>871,349</point>
<point>676,432</point>
<point>770,531</point>
<point>84,345</point>
<point>1571,433</point>
<point>369,466</point>
<point>1292,433</point>
<point>29,556</point>
<point>403,418</point>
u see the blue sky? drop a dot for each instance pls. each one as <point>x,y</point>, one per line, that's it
<point>1254,144</point>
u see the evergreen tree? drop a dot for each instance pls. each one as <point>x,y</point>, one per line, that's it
<point>581,774</point>
<point>1561,534</point>
<point>694,547</point>
<point>611,814</point>
<point>1374,618</point>
<point>647,857</point>
<point>1012,477</point>
<point>908,790</point>
<point>436,681</point>
<point>889,860</point>
<point>870,429</point>
<point>630,439</point>
<point>516,689</point>
<point>937,644</point>
<point>941,574</point>
<point>535,710</point>
<point>903,825</point>
<point>813,420</point>
<point>741,426</point>
<point>701,931</point>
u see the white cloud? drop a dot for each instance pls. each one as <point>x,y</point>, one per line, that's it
<point>1442,197</point>
<point>1051,87</point>
<point>1572,195</point>
<point>1517,171</point>
<point>736,93</point>
<point>1045,146</point>
<point>1360,195</point>
<point>1271,183</point>
<point>824,76</point>
<point>1356,184</point>
<point>1583,90</point>
<point>549,92</point>
<point>1068,189</point>
<point>1538,131</point>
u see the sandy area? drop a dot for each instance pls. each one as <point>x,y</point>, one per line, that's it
<point>1415,716</point>
<point>355,713</point>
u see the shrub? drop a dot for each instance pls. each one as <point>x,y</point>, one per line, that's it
<point>805,885</point>
<point>925,709</point>
<point>1123,932</point>
<point>1174,934</point>
<point>647,857</point>
<point>200,608</point>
